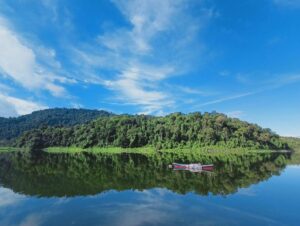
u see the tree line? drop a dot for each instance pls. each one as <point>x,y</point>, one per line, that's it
<point>172,131</point>
<point>10,128</point>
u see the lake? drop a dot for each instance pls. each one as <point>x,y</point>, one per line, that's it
<point>131,189</point>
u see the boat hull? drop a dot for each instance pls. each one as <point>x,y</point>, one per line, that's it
<point>196,166</point>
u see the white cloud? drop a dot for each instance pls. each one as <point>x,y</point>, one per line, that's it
<point>140,57</point>
<point>19,62</point>
<point>147,22</point>
<point>12,106</point>
<point>137,86</point>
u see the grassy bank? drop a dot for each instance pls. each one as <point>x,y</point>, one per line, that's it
<point>211,150</point>
<point>210,154</point>
<point>112,150</point>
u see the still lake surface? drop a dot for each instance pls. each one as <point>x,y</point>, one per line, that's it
<point>85,189</point>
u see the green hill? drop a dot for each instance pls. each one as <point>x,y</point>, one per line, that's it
<point>11,128</point>
<point>172,131</point>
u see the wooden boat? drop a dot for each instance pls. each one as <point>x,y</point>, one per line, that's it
<point>193,166</point>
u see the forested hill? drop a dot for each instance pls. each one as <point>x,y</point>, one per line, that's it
<point>13,127</point>
<point>174,130</point>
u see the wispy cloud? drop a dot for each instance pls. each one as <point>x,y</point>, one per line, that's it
<point>282,80</point>
<point>133,61</point>
<point>12,106</point>
<point>21,63</point>
<point>193,91</point>
<point>288,3</point>
<point>228,98</point>
<point>52,6</point>
<point>141,56</point>
<point>278,81</point>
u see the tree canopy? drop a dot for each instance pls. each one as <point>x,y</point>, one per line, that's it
<point>11,128</point>
<point>172,131</point>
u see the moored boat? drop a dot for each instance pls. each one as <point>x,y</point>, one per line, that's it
<point>193,166</point>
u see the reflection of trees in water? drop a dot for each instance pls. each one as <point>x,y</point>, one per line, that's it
<point>87,174</point>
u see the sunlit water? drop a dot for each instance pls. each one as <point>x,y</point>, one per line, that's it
<point>38,192</point>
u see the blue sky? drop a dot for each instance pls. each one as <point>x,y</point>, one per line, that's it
<point>155,57</point>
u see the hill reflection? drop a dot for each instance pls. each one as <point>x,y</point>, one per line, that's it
<point>58,175</point>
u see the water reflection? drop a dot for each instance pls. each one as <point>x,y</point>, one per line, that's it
<point>60,175</point>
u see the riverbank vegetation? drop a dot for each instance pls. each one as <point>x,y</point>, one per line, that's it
<point>294,144</point>
<point>174,131</point>
<point>209,150</point>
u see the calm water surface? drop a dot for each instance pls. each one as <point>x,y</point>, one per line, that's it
<point>137,190</point>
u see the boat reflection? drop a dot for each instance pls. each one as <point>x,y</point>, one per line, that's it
<point>194,170</point>
<point>193,167</point>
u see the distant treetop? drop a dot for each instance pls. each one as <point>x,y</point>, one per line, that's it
<point>13,127</point>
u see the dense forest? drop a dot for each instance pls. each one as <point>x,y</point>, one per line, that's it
<point>172,131</point>
<point>11,128</point>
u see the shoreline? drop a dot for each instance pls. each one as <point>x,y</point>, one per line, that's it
<point>205,155</point>
<point>205,151</point>
<point>209,150</point>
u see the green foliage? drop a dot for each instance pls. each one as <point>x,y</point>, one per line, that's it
<point>208,150</point>
<point>11,128</point>
<point>173,131</point>
<point>294,144</point>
